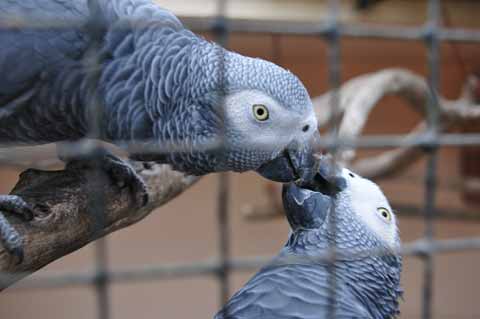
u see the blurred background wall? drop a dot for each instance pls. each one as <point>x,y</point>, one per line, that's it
<point>184,230</point>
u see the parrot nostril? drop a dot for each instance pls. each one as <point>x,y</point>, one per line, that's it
<point>306,128</point>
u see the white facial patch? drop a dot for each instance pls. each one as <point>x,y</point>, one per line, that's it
<point>371,205</point>
<point>281,126</point>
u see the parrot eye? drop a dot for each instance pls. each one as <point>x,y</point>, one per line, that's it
<point>385,213</point>
<point>260,112</point>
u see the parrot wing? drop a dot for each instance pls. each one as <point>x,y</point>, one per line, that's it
<point>34,42</point>
<point>39,38</point>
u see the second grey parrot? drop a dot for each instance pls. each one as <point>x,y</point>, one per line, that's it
<point>296,286</point>
<point>130,72</point>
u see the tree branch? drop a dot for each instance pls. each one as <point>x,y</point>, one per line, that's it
<point>360,95</point>
<point>64,220</point>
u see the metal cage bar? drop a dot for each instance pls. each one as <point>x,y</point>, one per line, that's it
<point>431,41</point>
<point>334,64</point>
<point>223,193</point>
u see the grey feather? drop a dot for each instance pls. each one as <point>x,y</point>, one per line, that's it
<point>291,291</point>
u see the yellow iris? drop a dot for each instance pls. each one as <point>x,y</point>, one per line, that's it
<point>260,112</point>
<point>385,213</point>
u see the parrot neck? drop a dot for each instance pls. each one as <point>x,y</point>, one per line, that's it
<point>380,290</point>
<point>374,280</point>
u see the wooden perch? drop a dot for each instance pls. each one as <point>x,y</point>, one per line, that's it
<point>64,212</point>
<point>357,98</point>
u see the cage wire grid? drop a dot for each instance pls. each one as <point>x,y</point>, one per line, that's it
<point>431,33</point>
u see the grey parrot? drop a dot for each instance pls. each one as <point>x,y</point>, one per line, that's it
<point>128,72</point>
<point>367,286</point>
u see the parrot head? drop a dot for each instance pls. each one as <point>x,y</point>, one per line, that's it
<point>267,119</point>
<point>356,202</point>
<point>233,113</point>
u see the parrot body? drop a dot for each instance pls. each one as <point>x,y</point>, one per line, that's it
<point>366,286</point>
<point>129,73</point>
<point>176,97</point>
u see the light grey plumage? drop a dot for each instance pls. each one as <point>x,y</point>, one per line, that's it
<point>367,286</point>
<point>161,86</point>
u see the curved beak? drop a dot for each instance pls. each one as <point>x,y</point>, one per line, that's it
<point>296,162</point>
<point>328,178</point>
<point>307,203</point>
<point>304,208</point>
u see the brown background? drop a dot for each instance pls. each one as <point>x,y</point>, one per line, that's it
<point>184,230</point>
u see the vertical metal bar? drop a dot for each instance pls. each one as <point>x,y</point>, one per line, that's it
<point>333,59</point>
<point>431,38</point>
<point>223,195</point>
<point>224,237</point>
<point>97,205</point>
<point>101,280</point>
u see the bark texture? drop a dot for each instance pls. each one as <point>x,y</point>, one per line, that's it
<point>76,206</point>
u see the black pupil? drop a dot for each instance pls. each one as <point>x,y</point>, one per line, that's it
<point>351,175</point>
<point>384,213</point>
<point>260,111</point>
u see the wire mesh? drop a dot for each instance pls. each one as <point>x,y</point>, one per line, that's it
<point>430,176</point>
<point>432,34</point>
<point>221,37</point>
<point>333,52</point>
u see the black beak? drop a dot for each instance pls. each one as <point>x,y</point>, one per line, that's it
<point>300,165</point>
<point>327,180</point>
<point>308,202</point>
<point>304,208</point>
<point>296,162</point>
